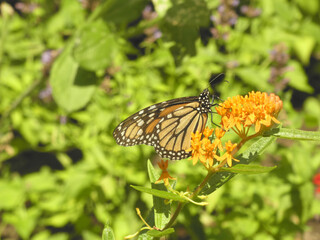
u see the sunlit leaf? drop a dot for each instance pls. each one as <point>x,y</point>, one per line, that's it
<point>72,86</point>
<point>107,233</point>
<point>159,193</point>
<point>96,47</point>
<point>156,233</point>
<point>160,208</point>
<point>298,78</point>
<point>294,134</point>
<point>182,22</point>
<point>248,169</point>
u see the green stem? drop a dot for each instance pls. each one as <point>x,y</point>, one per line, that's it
<point>202,184</point>
<point>237,148</point>
<point>193,195</point>
<point>174,216</point>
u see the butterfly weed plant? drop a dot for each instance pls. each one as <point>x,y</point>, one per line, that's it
<point>254,119</point>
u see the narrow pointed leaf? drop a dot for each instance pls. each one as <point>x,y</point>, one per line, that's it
<point>156,233</point>
<point>107,233</point>
<point>159,193</point>
<point>145,236</point>
<point>153,175</point>
<point>295,134</point>
<point>248,169</point>
<point>161,210</point>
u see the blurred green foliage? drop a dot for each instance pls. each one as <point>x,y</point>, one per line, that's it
<point>72,70</point>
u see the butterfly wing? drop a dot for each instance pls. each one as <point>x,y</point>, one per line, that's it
<point>167,126</point>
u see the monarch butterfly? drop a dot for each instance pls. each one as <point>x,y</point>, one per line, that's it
<point>167,126</point>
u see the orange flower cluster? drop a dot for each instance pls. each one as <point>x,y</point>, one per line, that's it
<point>204,150</point>
<point>238,113</point>
<point>255,109</point>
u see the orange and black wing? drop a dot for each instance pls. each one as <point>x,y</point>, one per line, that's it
<point>167,126</point>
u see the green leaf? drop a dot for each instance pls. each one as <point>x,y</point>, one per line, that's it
<point>156,233</point>
<point>159,193</point>
<point>72,86</point>
<point>161,7</point>
<point>107,233</point>
<point>303,46</point>
<point>248,169</point>
<point>121,11</point>
<point>145,236</point>
<point>96,47</point>
<point>19,47</point>
<point>312,7</point>
<point>161,210</point>
<point>246,226</point>
<point>23,220</point>
<point>14,195</point>
<point>312,107</point>
<point>250,74</point>
<point>298,78</point>
<point>307,198</point>
<point>58,220</point>
<point>153,175</point>
<point>251,153</point>
<point>295,134</point>
<point>182,22</point>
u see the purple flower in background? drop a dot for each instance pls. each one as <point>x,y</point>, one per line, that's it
<point>63,120</point>
<point>46,57</point>
<point>47,92</point>
<point>157,34</point>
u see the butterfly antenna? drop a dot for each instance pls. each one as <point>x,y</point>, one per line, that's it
<point>216,78</point>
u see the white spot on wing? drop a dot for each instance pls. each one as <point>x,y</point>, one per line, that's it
<point>139,132</point>
<point>140,123</point>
